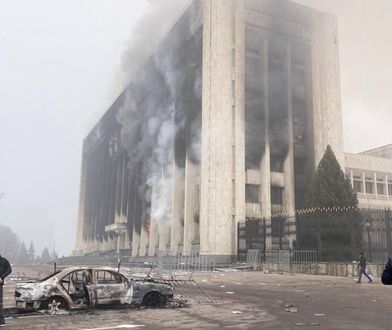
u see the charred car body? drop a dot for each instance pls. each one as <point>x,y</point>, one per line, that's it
<point>84,287</point>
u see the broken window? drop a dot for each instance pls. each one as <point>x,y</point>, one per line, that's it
<point>106,277</point>
<point>276,195</point>
<point>276,163</point>
<point>252,193</point>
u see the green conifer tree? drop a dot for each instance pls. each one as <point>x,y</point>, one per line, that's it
<point>329,187</point>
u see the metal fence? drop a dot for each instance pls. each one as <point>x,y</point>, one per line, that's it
<point>334,235</point>
<point>176,263</point>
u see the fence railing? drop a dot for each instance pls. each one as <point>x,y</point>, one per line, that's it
<point>176,263</point>
<point>337,235</point>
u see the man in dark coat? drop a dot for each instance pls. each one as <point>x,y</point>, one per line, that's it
<point>362,268</point>
<point>386,277</point>
<point>5,270</point>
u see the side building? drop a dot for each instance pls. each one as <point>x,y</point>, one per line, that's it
<point>224,122</point>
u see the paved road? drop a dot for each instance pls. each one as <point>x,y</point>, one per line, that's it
<point>249,300</point>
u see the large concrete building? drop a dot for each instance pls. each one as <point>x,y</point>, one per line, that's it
<point>226,121</point>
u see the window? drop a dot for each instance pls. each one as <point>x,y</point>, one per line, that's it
<point>381,188</point>
<point>357,186</point>
<point>277,163</point>
<point>276,195</point>
<point>252,193</point>
<point>106,277</point>
<point>369,187</point>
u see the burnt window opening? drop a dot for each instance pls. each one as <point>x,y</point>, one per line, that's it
<point>254,101</point>
<point>276,195</point>
<point>277,163</point>
<point>252,193</point>
<point>299,166</point>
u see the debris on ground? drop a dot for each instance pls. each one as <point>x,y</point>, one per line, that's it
<point>230,292</point>
<point>237,312</point>
<point>319,314</point>
<point>291,309</point>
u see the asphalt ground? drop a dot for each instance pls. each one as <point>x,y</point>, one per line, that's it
<point>247,300</point>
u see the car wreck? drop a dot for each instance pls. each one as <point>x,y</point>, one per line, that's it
<point>86,287</point>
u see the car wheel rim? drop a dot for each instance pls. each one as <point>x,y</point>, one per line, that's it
<point>153,299</point>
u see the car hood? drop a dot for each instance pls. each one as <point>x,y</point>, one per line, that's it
<point>33,290</point>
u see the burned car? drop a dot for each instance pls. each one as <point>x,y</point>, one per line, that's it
<point>84,287</point>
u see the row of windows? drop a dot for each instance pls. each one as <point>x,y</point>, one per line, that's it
<point>252,194</point>
<point>370,188</point>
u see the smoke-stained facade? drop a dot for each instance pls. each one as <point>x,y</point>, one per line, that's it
<point>222,123</point>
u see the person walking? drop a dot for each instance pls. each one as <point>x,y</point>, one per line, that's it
<point>5,270</point>
<point>362,268</point>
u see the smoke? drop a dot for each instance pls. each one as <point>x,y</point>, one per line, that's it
<point>156,102</point>
<point>149,31</point>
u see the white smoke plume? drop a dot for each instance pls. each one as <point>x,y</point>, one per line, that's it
<point>152,113</point>
<point>159,17</point>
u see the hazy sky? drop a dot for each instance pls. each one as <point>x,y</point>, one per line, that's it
<point>59,68</point>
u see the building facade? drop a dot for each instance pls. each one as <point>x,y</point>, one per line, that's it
<point>225,122</point>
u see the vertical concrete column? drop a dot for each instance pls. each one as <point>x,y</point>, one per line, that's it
<point>375,184</point>
<point>265,168</point>
<point>136,234</point>
<point>177,225</point>
<point>327,116</point>
<point>216,213</point>
<point>82,198</point>
<point>238,67</point>
<point>190,227</point>
<point>288,166</point>
<point>163,219</point>
<point>144,240</point>
<point>153,237</point>
<point>386,185</point>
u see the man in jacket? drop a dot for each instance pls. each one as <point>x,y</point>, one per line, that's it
<point>362,268</point>
<point>386,277</point>
<point>5,270</point>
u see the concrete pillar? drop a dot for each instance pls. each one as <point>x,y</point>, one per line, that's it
<point>144,240</point>
<point>192,177</point>
<point>217,213</point>
<point>163,218</point>
<point>327,124</point>
<point>177,217</point>
<point>136,221</point>
<point>386,185</point>
<point>238,104</point>
<point>265,168</point>
<point>82,198</point>
<point>153,239</point>
<point>288,166</point>
<point>375,184</point>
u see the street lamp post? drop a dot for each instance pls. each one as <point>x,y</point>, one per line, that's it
<point>369,243</point>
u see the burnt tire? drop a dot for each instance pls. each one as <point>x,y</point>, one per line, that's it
<point>153,299</point>
<point>55,304</point>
